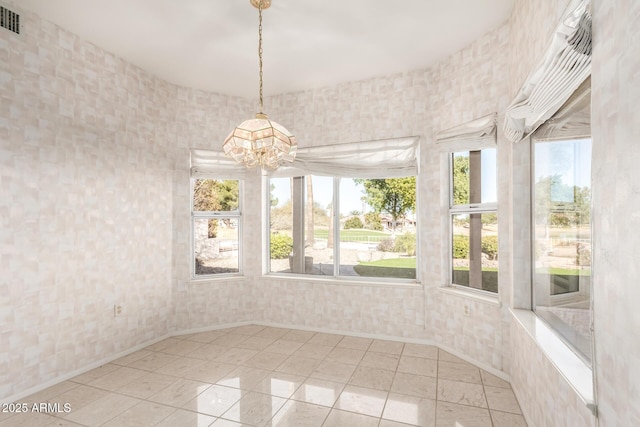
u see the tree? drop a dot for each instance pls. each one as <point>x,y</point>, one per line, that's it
<point>273,199</point>
<point>215,195</point>
<point>582,197</point>
<point>460,180</point>
<point>330,236</point>
<point>309,232</point>
<point>395,196</point>
<point>489,218</point>
<point>560,205</point>
<point>281,217</point>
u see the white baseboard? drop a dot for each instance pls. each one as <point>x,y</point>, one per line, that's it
<point>16,397</point>
<point>448,349</point>
<point>109,359</point>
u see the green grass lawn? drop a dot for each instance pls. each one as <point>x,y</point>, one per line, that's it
<point>393,262</point>
<point>467,269</point>
<point>353,235</point>
<point>565,272</point>
<point>399,268</point>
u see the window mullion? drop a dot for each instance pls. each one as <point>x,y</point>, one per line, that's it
<point>297,197</point>
<point>336,227</point>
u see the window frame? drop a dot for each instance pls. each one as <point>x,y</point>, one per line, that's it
<point>564,298</point>
<point>335,277</point>
<point>233,214</point>
<point>467,209</point>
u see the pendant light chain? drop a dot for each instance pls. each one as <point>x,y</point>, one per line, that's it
<point>260,50</point>
<point>260,141</point>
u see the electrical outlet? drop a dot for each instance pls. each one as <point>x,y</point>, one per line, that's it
<point>117,310</point>
<point>467,310</point>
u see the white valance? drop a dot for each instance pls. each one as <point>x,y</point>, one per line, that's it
<point>207,164</point>
<point>572,120</point>
<point>476,131</point>
<point>386,158</point>
<point>564,67</point>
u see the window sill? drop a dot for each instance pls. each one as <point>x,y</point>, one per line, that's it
<point>209,279</point>
<point>342,281</point>
<point>470,294</point>
<point>574,370</point>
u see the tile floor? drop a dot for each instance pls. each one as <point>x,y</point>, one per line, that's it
<point>261,376</point>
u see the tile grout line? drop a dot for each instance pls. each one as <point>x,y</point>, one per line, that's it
<point>272,371</point>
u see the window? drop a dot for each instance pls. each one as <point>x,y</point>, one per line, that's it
<point>474,219</point>
<point>343,227</point>
<point>216,227</point>
<point>561,189</point>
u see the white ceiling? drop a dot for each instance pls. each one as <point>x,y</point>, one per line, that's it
<point>212,44</point>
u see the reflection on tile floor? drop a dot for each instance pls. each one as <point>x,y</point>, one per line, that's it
<point>259,376</point>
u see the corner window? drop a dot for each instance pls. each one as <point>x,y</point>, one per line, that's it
<point>561,187</point>
<point>216,227</point>
<point>474,219</point>
<point>343,227</point>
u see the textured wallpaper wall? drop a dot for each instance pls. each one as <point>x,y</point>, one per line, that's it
<point>94,206</point>
<point>86,171</point>
<point>464,86</point>
<point>93,201</point>
<point>616,186</point>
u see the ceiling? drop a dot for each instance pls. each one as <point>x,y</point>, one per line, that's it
<point>212,44</point>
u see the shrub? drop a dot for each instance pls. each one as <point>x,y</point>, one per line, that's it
<point>353,222</point>
<point>406,243</point>
<point>490,246</point>
<point>460,246</point>
<point>584,255</point>
<point>386,245</point>
<point>212,229</point>
<point>281,246</point>
<point>372,221</point>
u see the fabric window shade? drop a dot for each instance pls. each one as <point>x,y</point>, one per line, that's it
<point>572,120</point>
<point>207,164</point>
<point>478,131</point>
<point>387,158</point>
<point>565,66</point>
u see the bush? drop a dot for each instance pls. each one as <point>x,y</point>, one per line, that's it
<point>584,255</point>
<point>212,229</point>
<point>386,245</point>
<point>490,246</point>
<point>460,246</point>
<point>353,222</point>
<point>406,243</point>
<point>372,221</point>
<point>281,246</point>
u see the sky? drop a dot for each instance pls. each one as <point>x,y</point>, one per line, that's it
<point>350,193</point>
<point>569,159</point>
<point>488,160</point>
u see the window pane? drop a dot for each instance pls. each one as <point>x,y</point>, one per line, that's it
<point>216,245</point>
<point>292,199</point>
<point>378,228</point>
<point>215,195</point>
<point>280,224</point>
<point>475,251</point>
<point>474,177</point>
<point>562,242</point>
<point>318,248</point>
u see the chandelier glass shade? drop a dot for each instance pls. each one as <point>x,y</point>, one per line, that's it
<point>260,141</point>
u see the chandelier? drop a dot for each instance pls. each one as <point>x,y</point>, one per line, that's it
<point>260,141</point>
